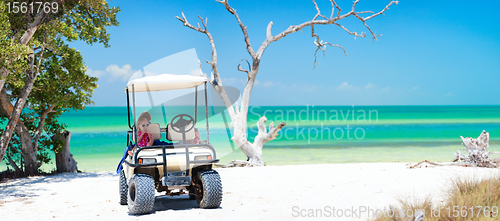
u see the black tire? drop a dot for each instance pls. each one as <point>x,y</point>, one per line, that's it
<point>208,189</point>
<point>123,188</point>
<point>141,194</point>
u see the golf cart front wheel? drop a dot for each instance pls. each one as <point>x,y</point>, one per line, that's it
<point>208,189</point>
<point>141,194</point>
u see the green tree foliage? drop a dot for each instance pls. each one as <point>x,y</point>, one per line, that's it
<point>61,84</point>
<point>12,54</point>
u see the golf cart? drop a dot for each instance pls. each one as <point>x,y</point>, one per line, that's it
<point>178,167</point>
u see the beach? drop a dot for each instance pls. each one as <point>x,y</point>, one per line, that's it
<point>322,165</point>
<point>292,192</point>
<point>313,134</point>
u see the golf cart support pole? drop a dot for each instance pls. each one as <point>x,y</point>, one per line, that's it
<point>186,147</point>
<point>195,104</point>
<point>206,112</point>
<point>134,133</point>
<point>164,162</point>
<point>128,110</point>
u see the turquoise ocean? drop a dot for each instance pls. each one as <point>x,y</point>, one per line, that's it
<point>313,134</point>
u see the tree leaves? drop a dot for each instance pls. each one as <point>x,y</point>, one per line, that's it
<point>62,84</point>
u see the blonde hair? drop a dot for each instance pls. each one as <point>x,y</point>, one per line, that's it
<point>141,119</point>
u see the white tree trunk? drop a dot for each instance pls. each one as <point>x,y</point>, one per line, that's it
<point>254,150</point>
<point>239,114</point>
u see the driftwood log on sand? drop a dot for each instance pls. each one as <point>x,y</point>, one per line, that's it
<point>237,163</point>
<point>478,154</point>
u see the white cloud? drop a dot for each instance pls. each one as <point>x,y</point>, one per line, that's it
<point>94,73</point>
<point>114,72</point>
<point>347,87</point>
<point>298,87</point>
<point>122,73</point>
<point>257,83</point>
<point>370,86</point>
<point>270,83</point>
<point>449,94</point>
<point>197,72</point>
<point>414,88</point>
<point>233,81</point>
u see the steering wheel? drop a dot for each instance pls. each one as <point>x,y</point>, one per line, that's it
<point>179,122</point>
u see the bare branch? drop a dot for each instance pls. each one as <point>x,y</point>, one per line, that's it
<point>322,46</point>
<point>248,63</point>
<point>295,28</point>
<point>354,5</point>
<point>372,16</point>
<point>368,27</point>
<point>243,27</point>
<point>336,6</point>
<point>362,35</point>
<point>186,23</point>
<point>219,88</point>
<point>264,136</point>
<point>381,12</point>
<point>268,31</point>
<point>319,12</point>
<point>203,23</point>
<point>242,70</point>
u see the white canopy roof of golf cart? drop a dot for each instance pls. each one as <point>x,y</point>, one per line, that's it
<point>165,82</point>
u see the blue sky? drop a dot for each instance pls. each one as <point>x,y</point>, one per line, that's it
<point>431,52</point>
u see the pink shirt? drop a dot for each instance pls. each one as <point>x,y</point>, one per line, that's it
<point>145,139</point>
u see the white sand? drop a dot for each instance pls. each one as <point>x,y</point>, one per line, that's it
<point>265,193</point>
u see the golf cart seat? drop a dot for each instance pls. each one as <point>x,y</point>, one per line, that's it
<point>155,130</point>
<point>177,136</point>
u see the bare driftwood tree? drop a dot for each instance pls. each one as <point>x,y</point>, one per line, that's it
<point>239,113</point>
<point>478,154</point>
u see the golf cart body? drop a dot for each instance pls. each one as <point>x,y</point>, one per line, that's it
<point>176,166</point>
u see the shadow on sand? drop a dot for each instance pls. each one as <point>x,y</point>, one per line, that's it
<point>183,202</point>
<point>29,186</point>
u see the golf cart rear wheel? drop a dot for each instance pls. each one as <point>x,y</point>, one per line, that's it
<point>141,194</point>
<point>208,189</point>
<point>123,188</point>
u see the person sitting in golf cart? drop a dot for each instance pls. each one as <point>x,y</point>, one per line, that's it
<point>144,136</point>
<point>196,139</point>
